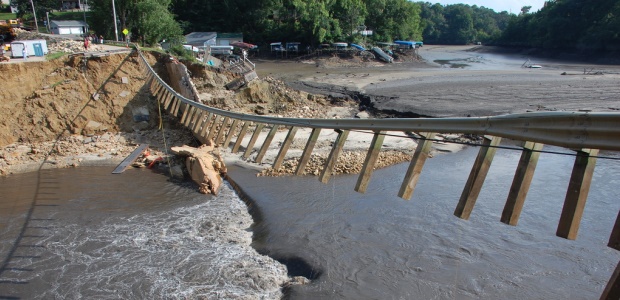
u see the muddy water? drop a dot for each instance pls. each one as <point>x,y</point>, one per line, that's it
<point>378,246</point>
<point>84,233</point>
<point>87,234</point>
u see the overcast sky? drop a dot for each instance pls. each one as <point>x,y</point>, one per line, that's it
<point>513,6</point>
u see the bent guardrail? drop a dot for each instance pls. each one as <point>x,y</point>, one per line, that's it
<point>584,132</point>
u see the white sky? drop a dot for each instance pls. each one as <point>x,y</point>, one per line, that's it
<point>513,6</point>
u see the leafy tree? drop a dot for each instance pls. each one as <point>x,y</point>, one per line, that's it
<point>41,7</point>
<point>148,21</point>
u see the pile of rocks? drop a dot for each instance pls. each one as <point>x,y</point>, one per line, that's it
<point>56,44</point>
<point>349,162</point>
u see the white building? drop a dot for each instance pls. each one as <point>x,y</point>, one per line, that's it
<point>68,27</point>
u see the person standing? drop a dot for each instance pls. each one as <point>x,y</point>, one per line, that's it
<point>25,53</point>
<point>101,39</point>
<point>86,44</point>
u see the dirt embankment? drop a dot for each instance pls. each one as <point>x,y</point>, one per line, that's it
<point>75,109</point>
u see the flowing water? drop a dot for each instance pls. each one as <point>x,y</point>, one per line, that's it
<point>378,246</point>
<point>87,234</point>
<point>91,234</point>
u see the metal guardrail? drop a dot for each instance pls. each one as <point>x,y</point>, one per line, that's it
<point>574,130</point>
<point>584,132</point>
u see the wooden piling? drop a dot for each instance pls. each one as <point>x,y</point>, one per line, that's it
<point>577,193</point>
<point>369,162</point>
<point>240,137</point>
<point>476,177</point>
<point>248,150</point>
<point>285,146</point>
<point>612,290</point>
<point>303,160</point>
<point>521,183</point>
<point>333,155</point>
<point>417,164</point>
<point>266,143</point>
<point>220,134</point>
<point>231,132</point>
<point>614,238</point>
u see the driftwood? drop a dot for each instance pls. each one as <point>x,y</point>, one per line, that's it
<point>205,166</point>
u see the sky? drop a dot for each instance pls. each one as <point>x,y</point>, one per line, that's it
<point>513,6</point>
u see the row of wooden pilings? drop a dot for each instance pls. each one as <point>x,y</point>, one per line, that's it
<point>209,124</point>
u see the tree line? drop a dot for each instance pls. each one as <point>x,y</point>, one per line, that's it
<point>572,24</point>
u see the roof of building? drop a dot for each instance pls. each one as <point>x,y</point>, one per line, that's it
<point>230,35</point>
<point>198,38</point>
<point>70,23</point>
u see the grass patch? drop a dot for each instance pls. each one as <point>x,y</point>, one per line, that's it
<point>69,15</point>
<point>7,16</point>
<point>55,55</point>
<point>57,83</point>
<point>150,49</point>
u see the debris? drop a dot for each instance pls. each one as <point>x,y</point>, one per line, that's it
<point>204,165</point>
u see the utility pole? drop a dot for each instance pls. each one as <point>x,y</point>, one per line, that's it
<point>84,9</point>
<point>35,16</point>
<point>115,28</point>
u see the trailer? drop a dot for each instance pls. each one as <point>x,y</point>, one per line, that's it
<point>33,48</point>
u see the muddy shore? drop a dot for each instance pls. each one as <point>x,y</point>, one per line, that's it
<point>462,81</point>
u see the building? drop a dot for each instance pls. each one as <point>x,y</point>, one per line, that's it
<point>13,8</point>
<point>68,27</point>
<point>225,39</point>
<point>201,39</point>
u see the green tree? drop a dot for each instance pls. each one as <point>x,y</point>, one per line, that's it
<point>41,7</point>
<point>148,21</point>
<point>460,24</point>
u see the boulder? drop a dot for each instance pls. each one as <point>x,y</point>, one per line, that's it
<point>205,166</point>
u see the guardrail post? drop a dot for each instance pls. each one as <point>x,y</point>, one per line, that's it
<point>285,146</point>
<point>369,162</point>
<point>612,290</point>
<point>266,143</point>
<point>205,125</point>
<point>521,183</point>
<point>197,114</point>
<point>476,177</point>
<point>213,127</point>
<point>188,117</point>
<point>173,105</point>
<point>186,109</point>
<point>577,193</point>
<point>303,160</point>
<point>240,137</point>
<point>198,121</point>
<point>167,99</point>
<point>176,107</point>
<point>222,129</point>
<point>333,155</point>
<point>614,238</point>
<point>231,132</point>
<point>248,150</point>
<point>417,164</point>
